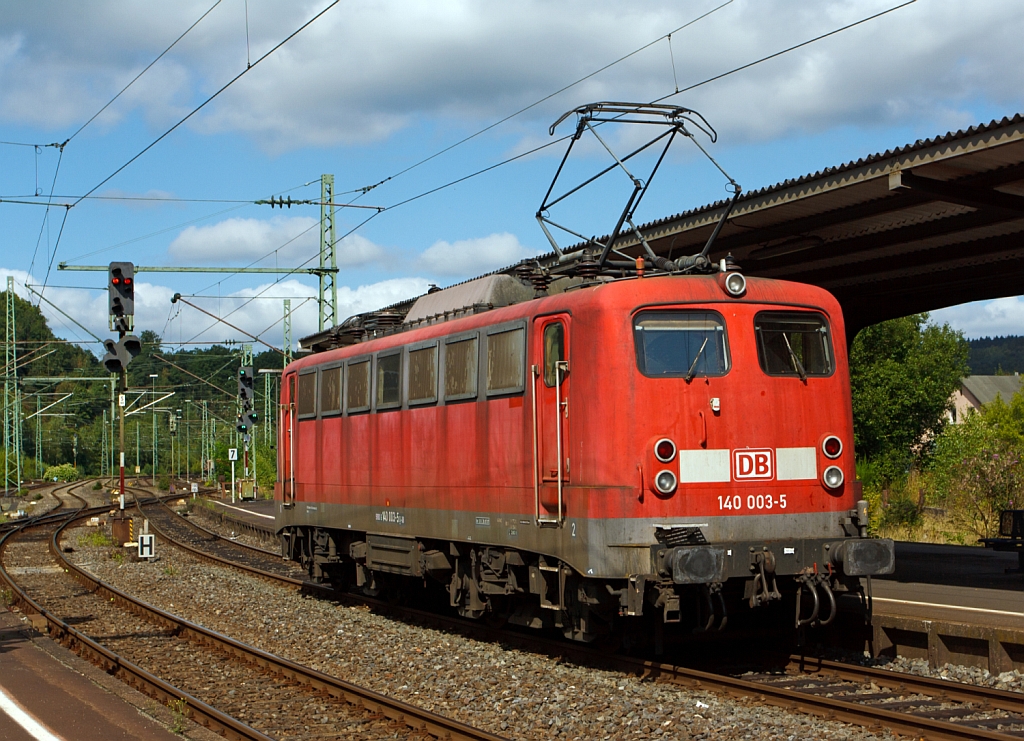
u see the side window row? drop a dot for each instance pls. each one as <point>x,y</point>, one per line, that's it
<point>419,374</point>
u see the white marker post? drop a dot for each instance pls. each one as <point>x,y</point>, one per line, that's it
<point>232,456</point>
<point>147,545</point>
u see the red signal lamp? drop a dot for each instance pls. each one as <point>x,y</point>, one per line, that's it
<point>832,446</point>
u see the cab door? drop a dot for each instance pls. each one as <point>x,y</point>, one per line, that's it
<point>550,378</point>
<point>287,445</point>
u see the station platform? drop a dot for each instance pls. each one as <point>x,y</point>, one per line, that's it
<point>49,694</point>
<point>259,513</point>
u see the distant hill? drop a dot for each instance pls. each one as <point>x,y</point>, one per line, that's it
<point>992,355</point>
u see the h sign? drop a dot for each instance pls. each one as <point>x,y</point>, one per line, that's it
<point>147,545</point>
<point>753,464</point>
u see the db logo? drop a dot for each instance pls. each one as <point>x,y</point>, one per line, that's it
<point>753,464</point>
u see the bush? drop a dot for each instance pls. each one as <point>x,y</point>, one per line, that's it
<point>979,472</point>
<point>63,472</point>
<point>164,482</point>
<point>97,486</point>
<point>902,512</point>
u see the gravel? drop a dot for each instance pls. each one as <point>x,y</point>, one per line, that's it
<point>504,690</point>
<point>1012,681</point>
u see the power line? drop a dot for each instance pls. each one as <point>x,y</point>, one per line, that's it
<point>206,102</point>
<point>656,100</point>
<point>144,71</point>
<point>542,100</point>
<point>183,120</point>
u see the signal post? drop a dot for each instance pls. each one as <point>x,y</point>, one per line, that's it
<point>247,415</point>
<point>121,309</point>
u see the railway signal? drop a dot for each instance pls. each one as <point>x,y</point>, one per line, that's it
<point>248,417</point>
<point>121,296</point>
<point>120,353</point>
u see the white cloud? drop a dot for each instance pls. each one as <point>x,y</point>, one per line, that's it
<point>89,307</point>
<point>365,71</point>
<point>473,256</point>
<point>290,240</point>
<point>263,315</point>
<point>247,239</point>
<point>995,318</point>
<point>257,310</point>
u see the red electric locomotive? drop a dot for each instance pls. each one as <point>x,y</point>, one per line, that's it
<point>669,446</point>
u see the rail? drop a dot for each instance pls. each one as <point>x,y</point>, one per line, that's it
<point>790,691</point>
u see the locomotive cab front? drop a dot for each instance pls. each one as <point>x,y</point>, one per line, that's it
<point>741,423</point>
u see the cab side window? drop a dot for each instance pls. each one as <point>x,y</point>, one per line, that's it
<point>554,351</point>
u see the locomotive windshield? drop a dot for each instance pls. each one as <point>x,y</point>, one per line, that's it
<point>793,343</point>
<point>681,344</point>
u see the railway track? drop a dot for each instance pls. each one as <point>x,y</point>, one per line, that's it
<point>870,697</point>
<point>234,689</point>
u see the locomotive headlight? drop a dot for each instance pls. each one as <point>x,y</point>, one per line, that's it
<point>665,482</point>
<point>833,477</point>
<point>735,284</point>
<point>832,446</point>
<point>665,450</point>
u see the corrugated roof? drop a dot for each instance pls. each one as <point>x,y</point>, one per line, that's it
<point>986,388</point>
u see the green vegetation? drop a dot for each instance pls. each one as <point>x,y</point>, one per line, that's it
<point>198,377</point>
<point>903,373</point>
<point>97,486</point>
<point>96,539</point>
<point>63,472</point>
<point>179,715</point>
<point>992,356</point>
<point>926,479</point>
<point>6,597</point>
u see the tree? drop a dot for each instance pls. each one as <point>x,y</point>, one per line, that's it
<point>977,466</point>
<point>903,373</point>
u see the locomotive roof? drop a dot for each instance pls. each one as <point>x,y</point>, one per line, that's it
<point>620,294</point>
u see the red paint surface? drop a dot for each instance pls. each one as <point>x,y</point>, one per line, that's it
<point>478,455</point>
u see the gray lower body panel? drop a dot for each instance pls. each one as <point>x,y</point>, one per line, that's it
<point>600,548</point>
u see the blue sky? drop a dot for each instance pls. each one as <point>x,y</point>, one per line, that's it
<point>371,88</point>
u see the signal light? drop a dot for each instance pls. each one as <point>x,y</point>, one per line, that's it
<point>120,353</point>
<point>665,450</point>
<point>735,284</point>
<point>121,296</point>
<point>833,477</point>
<point>832,446</point>
<point>665,482</point>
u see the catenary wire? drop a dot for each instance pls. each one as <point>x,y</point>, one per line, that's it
<point>195,110</point>
<point>144,71</point>
<point>556,141</point>
<point>541,100</point>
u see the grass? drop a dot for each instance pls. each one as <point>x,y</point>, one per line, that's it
<point>6,597</point>
<point>179,718</point>
<point>170,571</point>
<point>97,539</point>
<point>934,528</point>
<point>117,555</point>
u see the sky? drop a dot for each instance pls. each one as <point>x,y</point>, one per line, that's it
<point>410,106</point>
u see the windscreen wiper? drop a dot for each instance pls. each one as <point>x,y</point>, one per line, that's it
<point>797,365</point>
<point>693,365</point>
